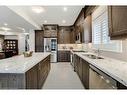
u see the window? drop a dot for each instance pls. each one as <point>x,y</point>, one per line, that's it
<point>100,26</point>
<point>100,36</point>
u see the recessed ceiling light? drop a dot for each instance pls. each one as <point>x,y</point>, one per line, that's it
<point>25,33</point>
<point>63,21</point>
<point>5,28</point>
<point>23,30</point>
<point>38,9</point>
<point>65,9</point>
<point>5,24</point>
<point>45,21</point>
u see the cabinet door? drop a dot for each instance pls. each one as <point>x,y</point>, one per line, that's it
<point>39,41</point>
<point>3,81</point>
<point>32,78</point>
<point>63,56</point>
<point>85,74</point>
<point>50,30</point>
<point>87,30</point>
<point>68,54</point>
<point>64,35</point>
<point>60,56</point>
<point>72,35</point>
<point>75,62</point>
<point>43,70</point>
<point>80,68</point>
<point>117,21</point>
<point>47,33</point>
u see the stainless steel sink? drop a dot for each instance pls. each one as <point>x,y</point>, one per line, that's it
<point>92,56</point>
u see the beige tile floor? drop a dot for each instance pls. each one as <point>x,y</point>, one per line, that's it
<point>62,76</point>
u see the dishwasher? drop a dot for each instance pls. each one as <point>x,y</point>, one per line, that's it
<point>100,80</point>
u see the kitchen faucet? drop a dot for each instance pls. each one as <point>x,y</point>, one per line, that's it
<point>98,52</point>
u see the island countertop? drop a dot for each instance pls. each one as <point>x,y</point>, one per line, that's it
<point>21,64</point>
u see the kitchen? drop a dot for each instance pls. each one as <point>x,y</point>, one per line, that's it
<point>91,42</point>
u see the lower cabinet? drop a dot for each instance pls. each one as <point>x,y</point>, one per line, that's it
<point>32,78</point>
<point>37,75</point>
<point>63,56</point>
<point>82,68</point>
<point>43,70</point>
<point>85,73</point>
<point>79,68</point>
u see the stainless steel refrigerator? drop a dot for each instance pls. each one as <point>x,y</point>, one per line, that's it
<point>50,45</point>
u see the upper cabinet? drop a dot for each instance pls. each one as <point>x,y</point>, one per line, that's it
<point>39,41</point>
<point>83,29</point>
<point>87,30</point>
<point>50,30</point>
<point>65,35</point>
<point>117,21</point>
<point>79,27</point>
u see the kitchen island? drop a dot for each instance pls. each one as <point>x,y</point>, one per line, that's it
<point>21,72</point>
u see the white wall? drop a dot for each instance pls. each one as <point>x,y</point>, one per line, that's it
<point>1,42</point>
<point>32,40</point>
<point>21,43</point>
<point>21,40</point>
<point>11,37</point>
<point>120,56</point>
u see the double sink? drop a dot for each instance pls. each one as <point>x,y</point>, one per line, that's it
<point>91,56</point>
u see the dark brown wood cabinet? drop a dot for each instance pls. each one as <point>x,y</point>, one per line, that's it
<point>65,35</point>
<point>87,30</point>
<point>72,35</point>
<point>36,76</point>
<point>121,86</point>
<point>2,55</point>
<point>82,69</point>
<point>50,30</point>
<point>85,73</point>
<point>88,10</point>
<point>117,21</point>
<point>63,56</point>
<point>11,45</point>
<point>39,40</point>
<point>83,24</point>
<point>43,70</point>
<point>79,71</point>
<point>32,78</point>
<point>75,62</point>
<point>79,27</point>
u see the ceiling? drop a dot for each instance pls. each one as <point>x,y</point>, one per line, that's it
<point>14,22</point>
<point>23,17</point>
<point>52,14</point>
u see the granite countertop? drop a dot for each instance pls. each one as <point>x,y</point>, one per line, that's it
<point>115,68</point>
<point>21,64</point>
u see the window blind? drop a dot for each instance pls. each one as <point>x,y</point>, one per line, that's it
<point>100,32</point>
<point>100,28</point>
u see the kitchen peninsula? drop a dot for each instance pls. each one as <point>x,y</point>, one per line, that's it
<point>21,72</point>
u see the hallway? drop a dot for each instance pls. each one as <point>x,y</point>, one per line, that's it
<point>62,76</point>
